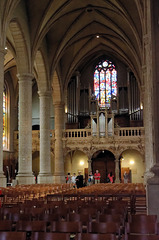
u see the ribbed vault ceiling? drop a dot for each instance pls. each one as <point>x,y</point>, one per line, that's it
<point>69,29</point>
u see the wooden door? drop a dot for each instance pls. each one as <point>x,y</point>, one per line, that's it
<point>86,175</point>
<point>104,167</point>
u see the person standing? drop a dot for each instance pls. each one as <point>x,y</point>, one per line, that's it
<point>73,180</point>
<point>97,177</point>
<point>68,178</point>
<point>79,180</point>
<point>90,178</point>
<point>126,177</point>
<point>111,177</point>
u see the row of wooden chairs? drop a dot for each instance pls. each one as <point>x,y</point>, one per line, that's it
<point>55,236</point>
<point>68,236</point>
<point>63,226</point>
<point>21,193</point>
<point>141,227</point>
<point>61,212</point>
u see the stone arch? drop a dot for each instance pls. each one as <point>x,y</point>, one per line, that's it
<point>104,161</point>
<point>56,89</point>
<point>42,79</point>
<point>135,148</point>
<point>132,161</point>
<point>76,160</point>
<point>23,55</point>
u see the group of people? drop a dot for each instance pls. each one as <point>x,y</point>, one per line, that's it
<point>76,180</point>
<point>92,178</point>
<point>97,176</point>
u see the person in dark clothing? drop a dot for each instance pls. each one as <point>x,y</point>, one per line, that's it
<point>79,180</point>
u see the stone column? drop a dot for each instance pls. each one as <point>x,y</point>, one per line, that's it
<point>89,166</point>
<point>59,176</point>
<point>117,179</point>
<point>3,180</point>
<point>153,36</point>
<point>45,175</point>
<point>25,175</point>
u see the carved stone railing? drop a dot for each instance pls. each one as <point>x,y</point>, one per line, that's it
<point>79,134</point>
<point>129,132</point>
<point>76,133</point>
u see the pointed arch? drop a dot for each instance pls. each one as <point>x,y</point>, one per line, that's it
<point>42,80</point>
<point>56,88</point>
<point>22,48</point>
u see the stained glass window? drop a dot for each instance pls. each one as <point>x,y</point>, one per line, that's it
<point>105,83</point>
<point>5,119</point>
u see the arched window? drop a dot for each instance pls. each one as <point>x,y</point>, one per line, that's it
<point>5,117</point>
<point>105,83</point>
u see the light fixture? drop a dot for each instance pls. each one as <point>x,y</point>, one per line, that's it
<point>141,106</point>
<point>131,162</point>
<point>81,163</point>
<point>97,36</point>
<point>6,48</point>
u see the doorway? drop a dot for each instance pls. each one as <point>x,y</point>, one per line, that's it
<point>104,161</point>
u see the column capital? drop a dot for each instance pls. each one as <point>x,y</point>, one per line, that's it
<point>44,93</point>
<point>155,179</point>
<point>25,76</point>
<point>89,161</point>
<point>116,157</point>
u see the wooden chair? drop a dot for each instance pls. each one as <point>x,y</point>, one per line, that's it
<point>36,212</point>
<point>50,217</point>
<point>25,217</point>
<point>88,210</point>
<point>50,236</point>
<point>143,218</point>
<point>118,210</point>
<point>141,228</point>
<point>111,218</point>
<point>140,237</point>
<point>96,236</point>
<point>5,225</point>
<point>104,227</point>
<point>62,212</point>
<point>66,227</point>
<point>12,235</point>
<point>75,217</point>
<point>31,226</point>
<point>83,218</point>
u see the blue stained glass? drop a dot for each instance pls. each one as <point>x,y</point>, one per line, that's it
<point>105,83</point>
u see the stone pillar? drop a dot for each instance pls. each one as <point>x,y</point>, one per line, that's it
<point>25,175</point>
<point>117,179</point>
<point>3,180</point>
<point>45,175</point>
<point>89,166</point>
<point>59,176</point>
<point>153,36</point>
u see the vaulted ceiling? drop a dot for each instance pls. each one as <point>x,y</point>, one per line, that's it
<point>73,32</point>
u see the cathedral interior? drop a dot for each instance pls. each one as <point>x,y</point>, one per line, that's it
<point>79,91</point>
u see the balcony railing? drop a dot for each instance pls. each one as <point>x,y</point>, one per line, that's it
<point>129,132</point>
<point>84,133</point>
<point>76,133</point>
